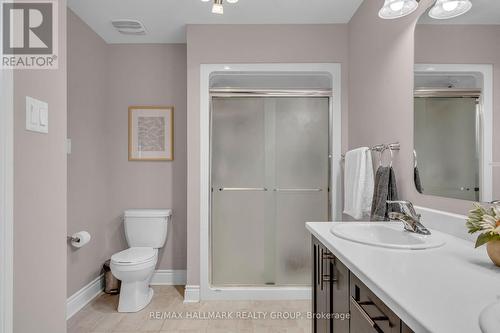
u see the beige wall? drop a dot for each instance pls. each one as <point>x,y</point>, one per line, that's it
<point>465,44</point>
<point>89,194</point>
<point>40,200</point>
<point>148,75</point>
<point>104,80</point>
<point>248,44</point>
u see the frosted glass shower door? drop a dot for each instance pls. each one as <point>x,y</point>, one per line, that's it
<point>238,191</point>
<point>269,175</point>
<point>448,146</point>
<point>301,182</point>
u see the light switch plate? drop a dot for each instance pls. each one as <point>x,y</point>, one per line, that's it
<point>68,146</point>
<point>37,115</point>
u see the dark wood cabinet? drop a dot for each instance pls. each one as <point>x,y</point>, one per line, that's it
<point>342,303</point>
<point>370,311</point>
<point>330,281</point>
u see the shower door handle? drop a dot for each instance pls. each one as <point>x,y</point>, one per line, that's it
<point>243,189</point>
<point>298,189</point>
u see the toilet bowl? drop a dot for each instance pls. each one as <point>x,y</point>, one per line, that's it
<point>134,267</point>
<point>146,232</point>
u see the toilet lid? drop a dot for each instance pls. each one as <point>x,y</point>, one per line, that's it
<point>134,255</point>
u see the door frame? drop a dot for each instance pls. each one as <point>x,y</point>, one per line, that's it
<point>6,197</point>
<point>207,292</point>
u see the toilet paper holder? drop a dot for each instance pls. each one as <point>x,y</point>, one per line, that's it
<point>73,239</point>
<point>79,239</point>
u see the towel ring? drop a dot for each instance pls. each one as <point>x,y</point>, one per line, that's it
<point>382,156</point>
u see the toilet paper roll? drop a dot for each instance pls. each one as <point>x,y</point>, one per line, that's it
<point>80,238</point>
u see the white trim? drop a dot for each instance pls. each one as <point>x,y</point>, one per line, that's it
<point>334,69</point>
<point>6,196</point>
<point>84,296</point>
<point>161,277</point>
<point>192,294</point>
<point>169,277</point>
<point>486,178</point>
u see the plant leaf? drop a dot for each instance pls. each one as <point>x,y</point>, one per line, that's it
<point>485,238</point>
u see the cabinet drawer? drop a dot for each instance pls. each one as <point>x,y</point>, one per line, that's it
<point>371,312</point>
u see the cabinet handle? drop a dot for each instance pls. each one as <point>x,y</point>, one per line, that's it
<point>370,320</point>
<point>326,277</point>
<point>320,261</point>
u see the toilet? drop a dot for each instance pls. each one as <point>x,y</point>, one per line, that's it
<point>146,232</point>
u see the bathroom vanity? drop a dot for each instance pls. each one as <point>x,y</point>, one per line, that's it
<point>361,288</point>
<point>342,303</point>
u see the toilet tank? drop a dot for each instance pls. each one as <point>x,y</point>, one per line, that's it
<point>146,227</point>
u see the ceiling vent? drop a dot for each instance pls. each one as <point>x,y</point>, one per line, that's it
<point>129,27</point>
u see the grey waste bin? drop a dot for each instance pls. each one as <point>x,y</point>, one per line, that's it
<point>111,284</point>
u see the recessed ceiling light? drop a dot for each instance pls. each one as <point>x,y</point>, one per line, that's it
<point>446,9</point>
<point>397,8</point>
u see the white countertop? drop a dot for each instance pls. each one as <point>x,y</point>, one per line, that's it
<point>437,290</point>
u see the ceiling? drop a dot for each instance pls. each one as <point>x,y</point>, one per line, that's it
<point>165,20</point>
<point>482,12</point>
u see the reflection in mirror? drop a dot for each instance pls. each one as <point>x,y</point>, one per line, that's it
<point>456,151</point>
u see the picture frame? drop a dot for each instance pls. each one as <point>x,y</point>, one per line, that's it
<point>151,133</point>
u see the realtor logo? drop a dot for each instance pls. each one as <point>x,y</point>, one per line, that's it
<point>29,39</point>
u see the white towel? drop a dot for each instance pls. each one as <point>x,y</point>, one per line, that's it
<point>358,183</point>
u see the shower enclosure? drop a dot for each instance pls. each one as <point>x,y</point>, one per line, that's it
<point>269,175</point>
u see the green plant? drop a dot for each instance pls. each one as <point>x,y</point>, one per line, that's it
<point>486,221</point>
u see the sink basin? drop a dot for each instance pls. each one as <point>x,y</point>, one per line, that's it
<point>489,320</point>
<point>385,234</point>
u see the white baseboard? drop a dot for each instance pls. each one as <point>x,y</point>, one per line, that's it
<point>166,277</point>
<point>192,294</point>
<point>169,277</point>
<point>83,296</point>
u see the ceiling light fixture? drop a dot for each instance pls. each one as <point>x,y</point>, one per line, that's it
<point>446,9</point>
<point>442,9</point>
<point>393,9</point>
<point>217,7</point>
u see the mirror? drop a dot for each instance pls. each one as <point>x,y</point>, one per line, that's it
<point>457,104</point>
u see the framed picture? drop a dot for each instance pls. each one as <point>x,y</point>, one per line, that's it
<point>150,133</point>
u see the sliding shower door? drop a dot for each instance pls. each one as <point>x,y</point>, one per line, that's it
<point>448,146</point>
<point>270,174</point>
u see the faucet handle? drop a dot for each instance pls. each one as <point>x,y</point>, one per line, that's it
<point>405,206</point>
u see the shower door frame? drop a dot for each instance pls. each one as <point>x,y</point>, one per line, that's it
<point>206,290</point>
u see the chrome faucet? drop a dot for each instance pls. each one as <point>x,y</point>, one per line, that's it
<point>409,217</point>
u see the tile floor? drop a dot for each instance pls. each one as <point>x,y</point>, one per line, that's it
<point>101,316</point>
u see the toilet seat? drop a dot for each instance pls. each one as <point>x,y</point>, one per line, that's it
<point>134,256</point>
